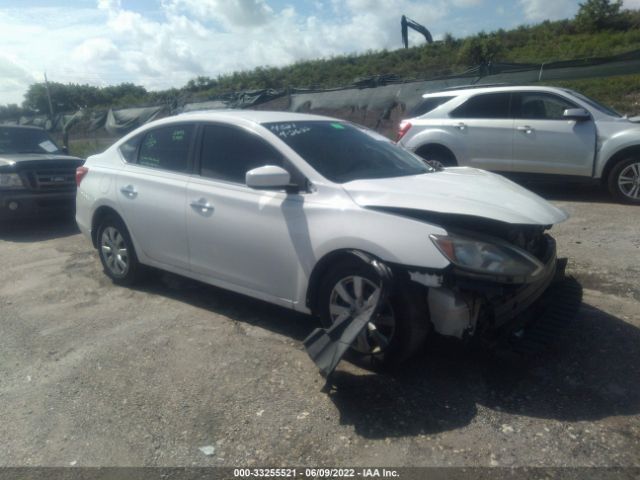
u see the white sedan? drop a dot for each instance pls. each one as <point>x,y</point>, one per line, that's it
<point>295,209</point>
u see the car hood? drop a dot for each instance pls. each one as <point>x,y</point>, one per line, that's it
<point>10,159</point>
<point>459,190</point>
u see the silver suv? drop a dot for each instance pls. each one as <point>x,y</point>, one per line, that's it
<point>542,131</point>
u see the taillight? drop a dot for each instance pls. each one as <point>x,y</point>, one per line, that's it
<point>404,128</point>
<point>80,173</point>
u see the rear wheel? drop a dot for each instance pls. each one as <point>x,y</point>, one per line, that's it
<point>116,252</point>
<point>624,181</point>
<point>437,156</point>
<point>397,331</point>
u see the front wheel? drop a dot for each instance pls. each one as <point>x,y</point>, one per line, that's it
<point>624,181</point>
<point>398,330</point>
<point>116,252</point>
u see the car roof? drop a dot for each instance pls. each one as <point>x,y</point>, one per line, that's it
<point>256,116</point>
<point>490,89</point>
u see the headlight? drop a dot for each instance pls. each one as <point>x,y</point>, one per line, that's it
<point>10,180</point>
<point>484,257</point>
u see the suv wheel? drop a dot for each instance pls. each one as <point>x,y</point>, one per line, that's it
<point>116,252</point>
<point>398,330</point>
<point>624,181</point>
<point>438,157</point>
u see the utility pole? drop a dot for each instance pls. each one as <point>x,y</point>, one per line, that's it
<point>46,86</point>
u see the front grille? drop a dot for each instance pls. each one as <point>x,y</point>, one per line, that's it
<point>52,179</point>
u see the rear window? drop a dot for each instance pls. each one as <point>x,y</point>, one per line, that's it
<point>427,105</point>
<point>166,148</point>
<point>26,140</point>
<point>488,105</point>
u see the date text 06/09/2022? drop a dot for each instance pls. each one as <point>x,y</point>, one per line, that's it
<point>315,473</point>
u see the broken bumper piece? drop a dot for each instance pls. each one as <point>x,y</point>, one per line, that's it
<point>527,317</point>
<point>327,347</point>
<point>545,321</point>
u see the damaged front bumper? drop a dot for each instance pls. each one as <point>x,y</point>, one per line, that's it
<point>524,312</point>
<point>490,309</point>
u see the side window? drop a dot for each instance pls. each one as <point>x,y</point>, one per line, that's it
<point>427,105</point>
<point>487,105</point>
<point>129,149</point>
<point>228,153</point>
<point>166,148</point>
<point>543,106</point>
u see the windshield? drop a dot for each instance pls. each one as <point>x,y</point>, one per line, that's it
<point>25,140</point>
<point>595,104</point>
<point>342,152</point>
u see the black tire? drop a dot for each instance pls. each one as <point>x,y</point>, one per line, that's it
<point>437,156</point>
<point>113,233</point>
<point>628,192</point>
<point>407,303</point>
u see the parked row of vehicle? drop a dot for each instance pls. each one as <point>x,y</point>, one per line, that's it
<point>305,211</point>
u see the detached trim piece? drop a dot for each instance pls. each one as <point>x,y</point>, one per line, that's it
<point>326,347</point>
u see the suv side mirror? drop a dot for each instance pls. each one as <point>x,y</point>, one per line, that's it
<point>577,114</point>
<point>268,177</point>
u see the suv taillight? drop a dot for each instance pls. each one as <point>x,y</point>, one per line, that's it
<point>80,173</point>
<point>404,128</point>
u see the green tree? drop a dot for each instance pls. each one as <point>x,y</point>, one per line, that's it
<point>70,97</point>
<point>481,49</point>
<point>11,112</point>
<point>597,15</point>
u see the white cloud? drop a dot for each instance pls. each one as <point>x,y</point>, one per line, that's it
<point>466,3</point>
<point>631,4</point>
<point>538,10</point>
<point>95,49</point>
<point>13,76</point>
<point>108,4</point>
<point>232,13</point>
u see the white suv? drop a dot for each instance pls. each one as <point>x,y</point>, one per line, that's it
<point>297,210</point>
<point>537,131</point>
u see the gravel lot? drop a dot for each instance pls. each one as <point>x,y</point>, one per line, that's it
<point>102,375</point>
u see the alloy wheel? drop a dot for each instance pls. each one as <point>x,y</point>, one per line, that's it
<point>351,296</point>
<point>629,181</point>
<point>113,249</point>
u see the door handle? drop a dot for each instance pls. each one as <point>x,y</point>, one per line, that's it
<point>526,129</point>
<point>460,126</point>
<point>129,191</point>
<point>202,205</point>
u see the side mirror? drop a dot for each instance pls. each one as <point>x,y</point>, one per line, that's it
<point>65,150</point>
<point>577,114</point>
<point>268,177</point>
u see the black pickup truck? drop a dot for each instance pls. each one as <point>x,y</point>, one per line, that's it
<point>36,176</point>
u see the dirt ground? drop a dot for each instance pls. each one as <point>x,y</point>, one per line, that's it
<point>92,374</point>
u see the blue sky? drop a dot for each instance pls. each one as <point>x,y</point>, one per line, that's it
<point>164,43</point>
